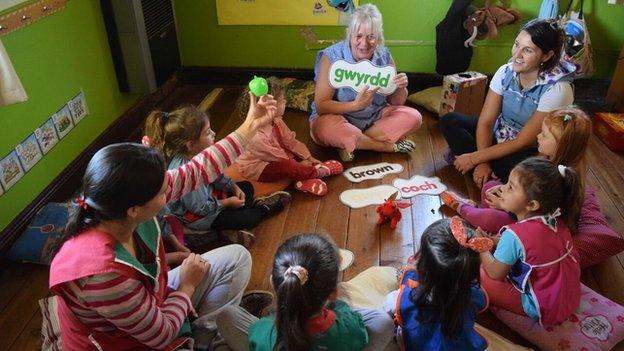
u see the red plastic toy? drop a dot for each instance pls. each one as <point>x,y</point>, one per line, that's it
<point>390,210</point>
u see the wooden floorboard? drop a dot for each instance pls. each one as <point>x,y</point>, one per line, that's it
<point>355,229</point>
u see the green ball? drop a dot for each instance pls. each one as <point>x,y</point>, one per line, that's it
<point>258,86</point>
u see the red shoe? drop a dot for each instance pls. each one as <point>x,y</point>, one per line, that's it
<point>328,168</point>
<point>312,186</point>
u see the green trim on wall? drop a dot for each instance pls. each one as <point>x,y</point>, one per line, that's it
<point>204,43</point>
<point>54,58</point>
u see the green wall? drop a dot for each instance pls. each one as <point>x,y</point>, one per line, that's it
<point>204,43</point>
<point>54,58</point>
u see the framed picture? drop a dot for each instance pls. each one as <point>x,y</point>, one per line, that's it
<point>10,170</point>
<point>63,121</point>
<point>46,135</point>
<point>78,107</point>
<point>28,152</point>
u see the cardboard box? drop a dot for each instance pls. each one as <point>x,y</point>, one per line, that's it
<point>464,93</point>
<point>609,127</point>
<point>615,95</point>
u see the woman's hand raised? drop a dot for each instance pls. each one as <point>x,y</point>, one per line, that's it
<point>261,112</point>
<point>364,98</point>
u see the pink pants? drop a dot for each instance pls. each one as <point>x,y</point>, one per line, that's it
<point>489,219</point>
<point>334,130</point>
<point>502,294</point>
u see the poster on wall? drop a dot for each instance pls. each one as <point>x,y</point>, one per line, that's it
<point>5,4</point>
<point>10,170</point>
<point>78,107</point>
<point>63,122</point>
<point>28,152</point>
<point>46,135</point>
<point>278,12</point>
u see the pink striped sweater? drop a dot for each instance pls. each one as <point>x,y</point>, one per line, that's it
<point>110,302</point>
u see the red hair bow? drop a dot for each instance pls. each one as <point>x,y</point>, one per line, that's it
<point>80,201</point>
<point>475,244</point>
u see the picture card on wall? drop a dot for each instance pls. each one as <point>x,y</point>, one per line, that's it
<point>46,135</point>
<point>28,152</point>
<point>10,170</point>
<point>63,122</point>
<point>78,107</point>
<point>374,171</point>
<point>377,195</point>
<point>419,185</point>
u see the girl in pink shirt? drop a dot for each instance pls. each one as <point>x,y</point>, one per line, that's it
<point>275,154</point>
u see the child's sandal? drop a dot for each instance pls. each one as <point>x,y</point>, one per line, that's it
<point>312,186</point>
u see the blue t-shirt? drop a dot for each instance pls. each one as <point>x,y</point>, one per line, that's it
<point>508,251</point>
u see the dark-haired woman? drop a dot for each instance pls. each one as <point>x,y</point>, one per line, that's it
<point>109,273</point>
<point>522,92</point>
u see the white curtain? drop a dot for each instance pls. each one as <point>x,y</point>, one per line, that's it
<point>11,89</point>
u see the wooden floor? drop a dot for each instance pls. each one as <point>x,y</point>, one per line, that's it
<point>354,229</point>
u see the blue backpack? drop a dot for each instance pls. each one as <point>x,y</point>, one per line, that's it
<point>549,9</point>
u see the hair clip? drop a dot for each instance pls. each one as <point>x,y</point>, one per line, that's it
<point>165,117</point>
<point>475,244</point>
<point>300,272</point>
<point>567,117</point>
<point>145,141</point>
<point>562,170</point>
<point>81,201</point>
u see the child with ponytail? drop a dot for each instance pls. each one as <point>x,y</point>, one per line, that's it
<point>221,204</point>
<point>535,269</point>
<point>308,315</point>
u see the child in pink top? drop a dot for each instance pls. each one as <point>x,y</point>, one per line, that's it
<point>275,154</point>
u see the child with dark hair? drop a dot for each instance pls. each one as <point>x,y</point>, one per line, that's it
<point>113,290</point>
<point>308,315</point>
<point>535,269</point>
<point>221,204</point>
<point>440,296</point>
<point>275,153</point>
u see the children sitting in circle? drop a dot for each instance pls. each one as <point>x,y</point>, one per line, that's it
<point>221,205</point>
<point>536,254</point>
<point>440,295</point>
<point>308,316</point>
<point>275,154</point>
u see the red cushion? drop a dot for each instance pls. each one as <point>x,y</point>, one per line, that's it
<point>595,240</point>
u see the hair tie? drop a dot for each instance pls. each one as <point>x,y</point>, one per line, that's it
<point>562,170</point>
<point>145,141</point>
<point>165,117</point>
<point>300,272</point>
<point>81,201</point>
<point>567,118</point>
<point>475,244</point>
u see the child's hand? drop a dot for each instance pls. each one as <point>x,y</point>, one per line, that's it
<point>493,197</point>
<point>239,193</point>
<point>232,202</point>
<point>483,234</point>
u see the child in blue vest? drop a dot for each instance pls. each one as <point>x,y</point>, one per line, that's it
<point>440,296</point>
